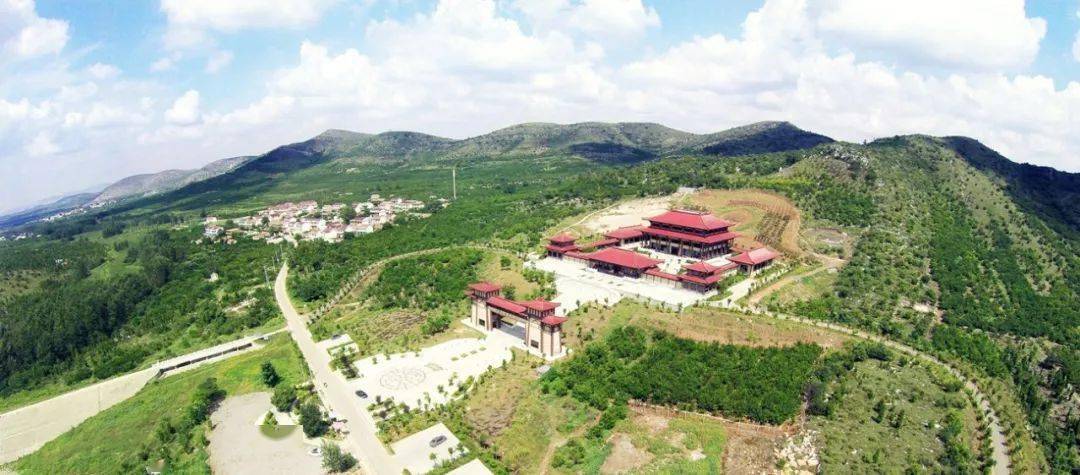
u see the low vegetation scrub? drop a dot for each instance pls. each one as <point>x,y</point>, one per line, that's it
<point>335,460</point>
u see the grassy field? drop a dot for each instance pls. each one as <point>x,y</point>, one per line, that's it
<point>695,323</point>
<point>851,439</point>
<point>491,269</point>
<point>393,330</point>
<point>105,441</point>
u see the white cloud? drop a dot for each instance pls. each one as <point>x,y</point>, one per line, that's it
<point>984,34</point>
<point>190,20</point>
<point>609,19</point>
<point>185,110</point>
<point>24,34</point>
<point>102,114</point>
<point>466,67</point>
<point>103,71</point>
<point>218,61</point>
<point>41,145</point>
<point>165,63</point>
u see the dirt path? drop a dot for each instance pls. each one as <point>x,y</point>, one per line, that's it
<point>758,296</point>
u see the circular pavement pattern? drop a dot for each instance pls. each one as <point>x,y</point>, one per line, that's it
<point>402,378</point>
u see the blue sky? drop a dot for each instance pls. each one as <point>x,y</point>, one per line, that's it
<point>92,91</point>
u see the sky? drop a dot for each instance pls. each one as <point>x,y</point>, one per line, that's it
<point>93,91</point>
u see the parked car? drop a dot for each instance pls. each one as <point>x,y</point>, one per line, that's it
<point>361,394</point>
<point>437,440</point>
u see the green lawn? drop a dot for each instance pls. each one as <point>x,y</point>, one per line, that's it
<point>103,443</point>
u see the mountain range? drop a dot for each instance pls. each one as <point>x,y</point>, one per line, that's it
<point>1049,191</point>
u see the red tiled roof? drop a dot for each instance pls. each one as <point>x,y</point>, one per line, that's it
<point>702,267</point>
<point>565,248</point>
<point>578,254</point>
<point>601,243</point>
<point>691,219</point>
<point>712,239</point>
<point>623,258</point>
<point>507,305</point>
<point>631,232</point>
<point>484,287</point>
<point>552,320</point>
<point>562,238</point>
<point>712,279</point>
<point>757,256</point>
<point>661,274</point>
<point>539,305</point>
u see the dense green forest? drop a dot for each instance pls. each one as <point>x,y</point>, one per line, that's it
<point>81,326</point>
<point>426,281</point>
<point>761,384</point>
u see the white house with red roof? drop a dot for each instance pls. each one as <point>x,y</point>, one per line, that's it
<point>533,321</point>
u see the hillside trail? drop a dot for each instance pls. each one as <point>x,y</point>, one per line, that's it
<point>828,263</point>
<point>997,433</point>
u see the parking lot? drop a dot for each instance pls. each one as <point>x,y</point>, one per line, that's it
<point>415,378</point>
<point>415,451</point>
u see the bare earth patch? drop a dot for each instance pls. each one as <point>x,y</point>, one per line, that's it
<point>751,449</point>
<point>629,213</point>
<point>624,456</point>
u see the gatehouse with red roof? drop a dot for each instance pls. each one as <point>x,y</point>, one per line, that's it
<point>533,321</point>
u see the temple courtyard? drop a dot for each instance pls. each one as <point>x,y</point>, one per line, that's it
<point>577,285</point>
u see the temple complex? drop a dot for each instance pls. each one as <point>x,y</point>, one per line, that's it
<point>533,321</point>
<point>683,234</point>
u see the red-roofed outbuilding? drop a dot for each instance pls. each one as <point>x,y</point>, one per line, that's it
<point>751,261</point>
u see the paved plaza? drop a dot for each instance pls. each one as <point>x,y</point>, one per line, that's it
<point>414,378</point>
<point>577,285</point>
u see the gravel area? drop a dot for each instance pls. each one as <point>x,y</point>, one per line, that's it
<point>238,447</point>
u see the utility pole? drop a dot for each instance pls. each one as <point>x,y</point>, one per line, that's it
<point>453,174</point>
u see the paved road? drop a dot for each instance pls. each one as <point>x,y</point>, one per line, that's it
<point>997,434</point>
<point>335,393</point>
